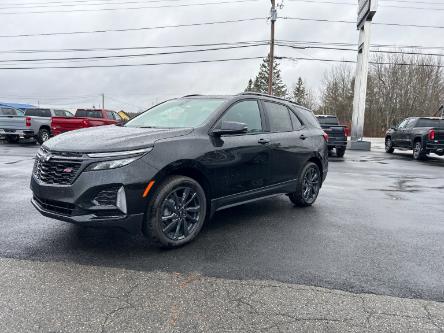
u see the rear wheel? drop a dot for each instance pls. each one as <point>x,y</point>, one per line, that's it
<point>176,212</point>
<point>12,138</point>
<point>43,135</point>
<point>309,184</point>
<point>419,152</point>
<point>440,153</point>
<point>340,152</point>
<point>389,145</point>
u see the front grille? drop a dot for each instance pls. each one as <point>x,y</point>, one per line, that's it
<point>56,172</point>
<point>106,197</point>
<point>57,207</point>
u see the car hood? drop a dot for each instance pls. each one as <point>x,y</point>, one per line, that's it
<point>111,138</point>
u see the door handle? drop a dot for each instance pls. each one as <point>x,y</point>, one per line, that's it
<point>302,137</point>
<point>263,141</point>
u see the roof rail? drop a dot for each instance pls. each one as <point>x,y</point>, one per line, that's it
<point>275,97</point>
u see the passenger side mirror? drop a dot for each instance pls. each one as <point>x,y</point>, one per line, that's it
<point>394,128</point>
<point>230,127</point>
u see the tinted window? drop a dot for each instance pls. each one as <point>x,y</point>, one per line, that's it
<point>110,114</point>
<point>89,113</point>
<point>279,117</point>
<point>328,120</point>
<point>308,117</point>
<point>411,123</point>
<point>176,113</point>
<point>424,122</point>
<point>246,112</point>
<point>295,121</point>
<point>38,112</point>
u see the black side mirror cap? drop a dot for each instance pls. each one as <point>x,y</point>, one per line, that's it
<point>230,127</point>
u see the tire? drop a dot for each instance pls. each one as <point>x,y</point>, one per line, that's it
<point>389,145</point>
<point>12,138</point>
<point>340,152</point>
<point>168,223</point>
<point>440,153</point>
<point>300,197</point>
<point>43,135</point>
<point>419,152</point>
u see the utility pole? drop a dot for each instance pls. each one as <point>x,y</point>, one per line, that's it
<point>103,102</point>
<point>273,17</point>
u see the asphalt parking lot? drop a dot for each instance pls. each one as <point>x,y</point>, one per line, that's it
<point>377,228</point>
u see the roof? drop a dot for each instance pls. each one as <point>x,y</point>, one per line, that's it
<point>17,105</point>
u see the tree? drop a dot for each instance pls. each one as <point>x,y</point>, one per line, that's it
<point>299,94</point>
<point>249,86</point>
<point>260,83</point>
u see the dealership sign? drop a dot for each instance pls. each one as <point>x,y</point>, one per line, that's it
<point>366,11</point>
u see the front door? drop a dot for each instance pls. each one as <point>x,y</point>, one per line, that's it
<point>240,163</point>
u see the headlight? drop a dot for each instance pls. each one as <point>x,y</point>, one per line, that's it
<point>138,152</point>
<point>111,164</point>
<point>122,158</point>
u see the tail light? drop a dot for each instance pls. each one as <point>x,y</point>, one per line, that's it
<point>346,131</point>
<point>325,135</point>
<point>431,134</point>
<point>28,121</point>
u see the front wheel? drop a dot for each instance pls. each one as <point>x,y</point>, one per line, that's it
<point>309,184</point>
<point>176,212</point>
<point>389,145</point>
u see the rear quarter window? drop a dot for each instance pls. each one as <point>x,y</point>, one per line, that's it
<point>308,117</point>
<point>89,114</point>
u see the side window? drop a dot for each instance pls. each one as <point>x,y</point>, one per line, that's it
<point>117,117</point>
<point>59,113</point>
<point>295,121</point>
<point>279,117</point>
<point>246,112</point>
<point>109,115</point>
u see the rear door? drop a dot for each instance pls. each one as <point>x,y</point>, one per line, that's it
<point>289,144</point>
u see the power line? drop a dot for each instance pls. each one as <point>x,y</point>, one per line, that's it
<point>133,29</point>
<point>354,4</point>
<point>135,55</point>
<point>73,1</point>
<point>354,22</point>
<point>129,8</point>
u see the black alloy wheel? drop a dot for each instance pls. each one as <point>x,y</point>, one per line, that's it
<point>389,145</point>
<point>308,186</point>
<point>176,213</point>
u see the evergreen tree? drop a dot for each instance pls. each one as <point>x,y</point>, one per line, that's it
<point>249,86</point>
<point>299,93</point>
<point>260,83</point>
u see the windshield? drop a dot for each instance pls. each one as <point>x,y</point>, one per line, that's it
<point>178,113</point>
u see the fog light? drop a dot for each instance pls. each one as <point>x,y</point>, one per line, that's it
<point>121,200</point>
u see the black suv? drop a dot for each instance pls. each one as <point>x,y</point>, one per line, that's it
<point>169,169</point>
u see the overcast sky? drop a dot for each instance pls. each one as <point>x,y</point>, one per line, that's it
<point>137,88</point>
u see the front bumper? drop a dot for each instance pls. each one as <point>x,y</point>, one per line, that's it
<point>75,203</point>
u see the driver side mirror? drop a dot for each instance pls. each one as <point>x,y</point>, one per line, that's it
<point>230,127</point>
<point>394,128</point>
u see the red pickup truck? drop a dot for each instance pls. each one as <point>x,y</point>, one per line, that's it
<point>84,118</point>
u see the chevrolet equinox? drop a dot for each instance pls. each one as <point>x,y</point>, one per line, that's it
<point>172,167</point>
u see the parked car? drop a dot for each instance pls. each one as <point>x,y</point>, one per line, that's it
<point>337,134</point>
<point>84,118</point>
<point>169,169</point>
<point>424,135</point>
<point>41,121</point>
<point>14,125</point>
<point>28,123</point>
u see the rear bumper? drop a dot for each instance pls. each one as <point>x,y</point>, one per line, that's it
<point>20,132</point>
<point>337,142</point>
<point>432,146</point>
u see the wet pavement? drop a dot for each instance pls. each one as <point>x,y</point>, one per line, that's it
<point>377,227</point>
